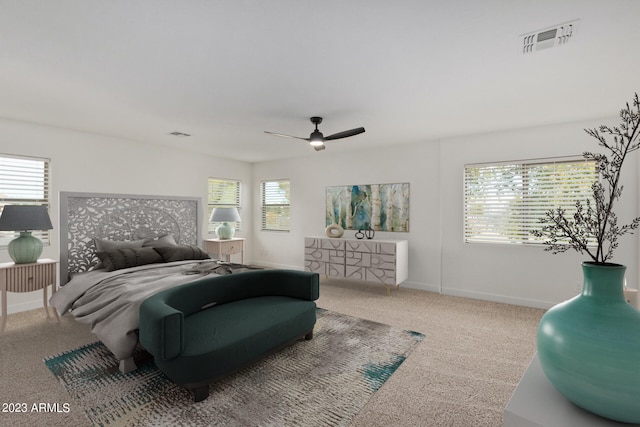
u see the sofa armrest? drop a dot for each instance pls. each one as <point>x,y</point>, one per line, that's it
<point>161,328</point>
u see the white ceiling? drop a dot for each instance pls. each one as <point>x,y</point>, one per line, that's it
<point>225,71</point>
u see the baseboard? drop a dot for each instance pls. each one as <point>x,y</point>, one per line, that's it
<point>448,291</point>
<point>420,286</point>
<point>525,302</point>
<point>479,295</point>
<point>278,266</point>
<point>25,306</point>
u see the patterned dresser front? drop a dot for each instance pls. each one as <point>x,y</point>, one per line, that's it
<point>381,261</point>
<point>324,256</point>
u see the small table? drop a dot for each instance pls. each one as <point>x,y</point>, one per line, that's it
<point>226,247</point>
<point>27,278</point>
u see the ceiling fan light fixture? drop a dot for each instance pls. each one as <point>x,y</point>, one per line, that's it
<point>316,138</point>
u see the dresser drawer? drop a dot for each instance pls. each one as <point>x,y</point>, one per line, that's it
<point>230,248</point>
<point>29,277</point>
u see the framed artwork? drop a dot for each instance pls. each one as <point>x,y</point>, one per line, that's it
<point>382,207</point>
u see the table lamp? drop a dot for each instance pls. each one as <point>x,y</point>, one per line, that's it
<point>23,218</point>
<point>225,215</point>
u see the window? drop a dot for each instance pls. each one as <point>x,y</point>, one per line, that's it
<point>223,193</point>
<point>275,205</point>
<point>24,181</point>
<point>504,201</point>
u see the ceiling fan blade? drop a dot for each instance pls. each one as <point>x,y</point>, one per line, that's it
<point>344,134</point>
<point>286,136</point>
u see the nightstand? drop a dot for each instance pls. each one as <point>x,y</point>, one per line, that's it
<point>27,278</point>
<point>226,247</point>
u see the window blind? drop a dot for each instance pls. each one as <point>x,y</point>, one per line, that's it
<point>223,193</point>
<point>24,181</point>
<point>276,205</point>
<point>503,202</point>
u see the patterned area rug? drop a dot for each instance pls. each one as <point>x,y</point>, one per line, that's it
<point>322,382</point>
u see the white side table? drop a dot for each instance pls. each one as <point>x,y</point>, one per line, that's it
<point>226,247</point>
<point>536,403</point>
<point>27,278</point>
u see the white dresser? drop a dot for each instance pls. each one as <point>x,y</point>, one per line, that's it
<point>376,260</point>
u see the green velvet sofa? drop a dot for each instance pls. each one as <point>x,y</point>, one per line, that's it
<point>204,330</point>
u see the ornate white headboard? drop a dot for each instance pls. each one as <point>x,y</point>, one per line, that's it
<point>84,216</point>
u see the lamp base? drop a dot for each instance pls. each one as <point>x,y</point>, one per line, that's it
<point>225,231</point>
<point>25,249</point>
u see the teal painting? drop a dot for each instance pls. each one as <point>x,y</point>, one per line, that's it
<point>382,207</point>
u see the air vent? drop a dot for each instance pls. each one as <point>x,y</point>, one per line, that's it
<point>557,35</point>
<point>176,133</point>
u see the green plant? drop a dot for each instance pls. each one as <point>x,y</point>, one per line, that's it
<point>593,228</point>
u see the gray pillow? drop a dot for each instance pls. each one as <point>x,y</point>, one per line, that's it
<point>128,257</point>
<point>166,240</point>
<point>181,253</point>
<point>103,245</point>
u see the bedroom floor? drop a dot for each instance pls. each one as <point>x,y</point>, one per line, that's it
<point>462,374</point>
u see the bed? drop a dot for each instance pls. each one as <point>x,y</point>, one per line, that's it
<point>117,250</point>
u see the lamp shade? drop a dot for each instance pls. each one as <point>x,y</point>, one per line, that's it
<point>25,218</point>
<point>225,215</point>
<point>26,248</point>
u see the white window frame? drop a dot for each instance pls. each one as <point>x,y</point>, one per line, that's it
<point>504,201</point>
<point>214,196</point>
<point>24,181</point>
<point>278,205</point>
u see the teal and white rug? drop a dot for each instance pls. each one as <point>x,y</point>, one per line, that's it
<point>322,382</point>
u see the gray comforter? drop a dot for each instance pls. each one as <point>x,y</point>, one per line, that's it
<point>110,301</point>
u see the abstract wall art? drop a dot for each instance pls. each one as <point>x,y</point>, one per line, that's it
<point>382,207</point>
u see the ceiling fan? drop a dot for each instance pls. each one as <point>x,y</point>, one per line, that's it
<point>316,139</point>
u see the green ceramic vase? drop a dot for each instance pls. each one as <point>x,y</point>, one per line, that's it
<point>225,231</point>
<point>25,249</point>
<point>589,346</point>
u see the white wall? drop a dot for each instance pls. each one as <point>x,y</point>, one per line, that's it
<point>86,162</point>
<point>438,257</point>
<point>522,275</point>
<point>416,164</point>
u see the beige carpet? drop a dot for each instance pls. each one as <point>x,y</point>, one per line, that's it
<point>462,374</point>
